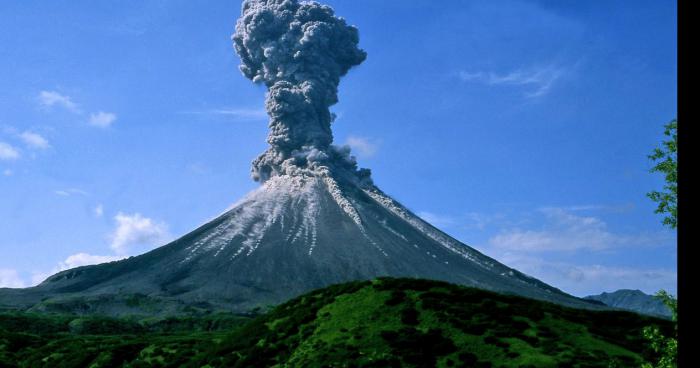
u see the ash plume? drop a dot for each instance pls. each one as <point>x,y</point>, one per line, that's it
<point>299,51</point>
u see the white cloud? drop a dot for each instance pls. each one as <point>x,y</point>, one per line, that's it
<point>571,250</point>
<point>563,231</point>
<point>53,98</point>
<point>233,112</point>
<point>102,119</point>
<point>99,210</point>
<point>132,231</point>
<point>99,119</point>
<point>363,147</point>
<point>198,168</point>
<point>241,113</point>
<point>72,261</point>
<point>616,208</point>
<point>439,221</point>
<point>34,140</point>
<point>7,152</point>
<point>70,192</point>
<point>137,231</point>
<point>481,221</point>
<point>588,279</point>
<point>39,277</point>
<point>468,220</point>
<point>539,80</point>
<point>8,129</point>
<point>10,279</point>
<point>85,259</point>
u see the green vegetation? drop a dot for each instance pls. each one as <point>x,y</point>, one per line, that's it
<point>380,323</point>
<point>666,162</point>
<point>666,348</point>
<point>666,159</point>
<point>47,340</point>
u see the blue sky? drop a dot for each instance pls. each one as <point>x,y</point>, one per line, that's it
<point>519,127</point>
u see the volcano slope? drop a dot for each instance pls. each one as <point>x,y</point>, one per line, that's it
<point>292,235</point>
<point>316,220</point>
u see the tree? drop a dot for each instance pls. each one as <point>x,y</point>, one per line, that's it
<point>666,162</point>
<point>665,347</point>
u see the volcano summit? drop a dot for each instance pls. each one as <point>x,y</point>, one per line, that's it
<point>317,219</point>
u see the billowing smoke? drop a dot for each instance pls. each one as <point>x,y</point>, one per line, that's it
<point>299,51</point>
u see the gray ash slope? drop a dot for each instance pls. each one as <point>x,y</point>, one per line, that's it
<point>316,220</point>
<point>292,235</point>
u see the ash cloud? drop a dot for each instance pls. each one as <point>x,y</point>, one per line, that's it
<point>299,51</point>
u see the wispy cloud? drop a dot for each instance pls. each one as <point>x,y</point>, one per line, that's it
<point>34,140</point>
<point>362,146</point>
<point>8,172</point>
<point>234,113</point>
<point>242,113</point>
<point>8,152</point>
<point>439,221</point>
<point>618,208</point>
<point>10,278</point>
<point>548,242</point>
<point>469,220</point>
<point>136,230</point>
<point>565,231</point>
<point>132,234</point>
<point>72,261</point>
<point>588,279</point>
<point>70,192</point>
<point>537,81</point>
<point>102,119</point>
<point>52,98</point>
<point>85,259</point>
<point>99,210</point>
<point>198,168</point>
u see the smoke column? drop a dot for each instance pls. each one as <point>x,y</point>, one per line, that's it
<point>299,51</point>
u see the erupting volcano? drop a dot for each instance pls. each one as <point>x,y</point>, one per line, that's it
<point>317,219</point>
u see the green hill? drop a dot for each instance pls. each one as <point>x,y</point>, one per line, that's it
<point>381,323</point>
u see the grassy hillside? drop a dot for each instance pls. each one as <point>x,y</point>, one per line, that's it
<point>382,323</point>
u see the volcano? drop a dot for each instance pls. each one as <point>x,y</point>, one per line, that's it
<point>292,235</point>
<point>316,219</point>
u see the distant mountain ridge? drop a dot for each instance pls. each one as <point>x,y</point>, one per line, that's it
<point>633,300</point>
